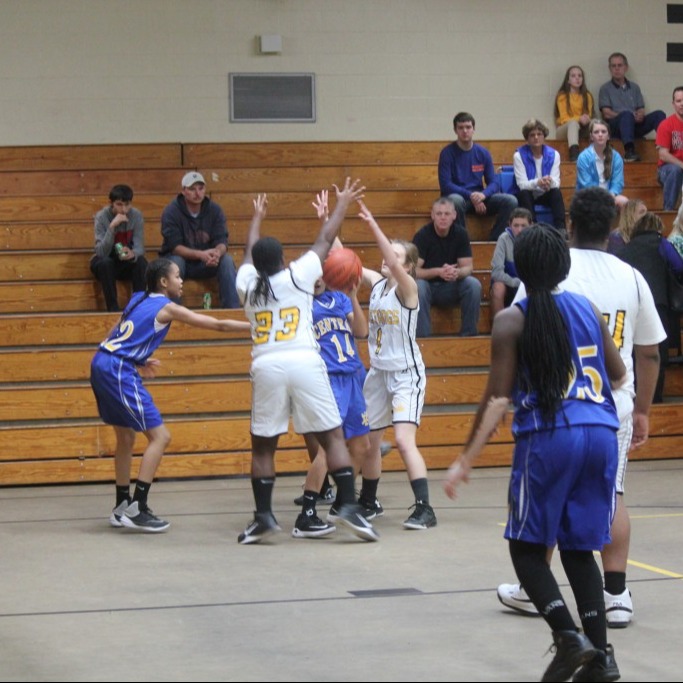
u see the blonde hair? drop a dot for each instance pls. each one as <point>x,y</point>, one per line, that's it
<point>628,219</point>
<point>412,254</point>
<point>677,227</point>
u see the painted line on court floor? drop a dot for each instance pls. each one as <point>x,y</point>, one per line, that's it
<point>656,570</point>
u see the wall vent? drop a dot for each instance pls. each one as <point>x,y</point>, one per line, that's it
<point>272,97</point>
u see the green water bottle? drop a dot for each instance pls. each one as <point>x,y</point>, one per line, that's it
<point>207,300</point>
<point>118,247</point>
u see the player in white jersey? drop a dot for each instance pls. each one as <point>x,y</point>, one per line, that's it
<point>288,374</point>
<point>394,388</point>
<point>624,298</point>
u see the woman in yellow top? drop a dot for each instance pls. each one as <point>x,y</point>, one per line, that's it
<point>573,109</point>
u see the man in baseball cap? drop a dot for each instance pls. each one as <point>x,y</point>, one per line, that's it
<point>195,237</point>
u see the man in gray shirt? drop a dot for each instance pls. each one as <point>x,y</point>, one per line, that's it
<point>623,108</point>
<point>119,245</point>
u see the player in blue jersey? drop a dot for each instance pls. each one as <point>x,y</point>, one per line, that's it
<point>116,373</point>
<point>553,355</point>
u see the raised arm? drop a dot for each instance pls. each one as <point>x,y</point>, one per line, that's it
<point>349,193</point>
<point>260,205</point>
<point>406,284</point>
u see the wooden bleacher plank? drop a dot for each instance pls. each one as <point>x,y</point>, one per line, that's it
<point>74,264</point>
<point>59,401</point>
<point>79,157</point>
<point>228,357</point>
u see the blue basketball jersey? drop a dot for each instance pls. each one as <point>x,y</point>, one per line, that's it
<point>138,335</point>
<point>333,332</point>
<point>588,399</point>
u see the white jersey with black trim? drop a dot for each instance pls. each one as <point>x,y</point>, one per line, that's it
<point>286,322</point>
<point>624,298</point>
<point>391,339</point>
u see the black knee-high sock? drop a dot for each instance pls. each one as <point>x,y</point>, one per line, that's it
<point>584,577</point>
<point>263,493</point>
<point>343,478</point>
<point>141,492</point>
<point>327,484</point>
<point>533,572</point>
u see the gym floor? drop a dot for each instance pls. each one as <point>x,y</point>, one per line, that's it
<point>85,602</point>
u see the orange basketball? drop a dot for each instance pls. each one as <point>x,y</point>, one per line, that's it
<point>342,269</point>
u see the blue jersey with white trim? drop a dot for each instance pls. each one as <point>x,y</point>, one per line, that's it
<point>138,334</point>
<point>588,399</point>
<point>333,332</point>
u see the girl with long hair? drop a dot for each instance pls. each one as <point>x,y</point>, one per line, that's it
<point>601,164</point>
<point>116,373</point>
<point>553,355</point>
<point>573,109</point>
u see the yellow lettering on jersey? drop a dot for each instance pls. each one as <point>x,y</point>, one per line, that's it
<point>125,330</point>
<point>618,331</point>
<point>290,316</point>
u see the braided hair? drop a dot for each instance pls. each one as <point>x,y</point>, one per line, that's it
<point>268,259</point>
<point>545,364</point>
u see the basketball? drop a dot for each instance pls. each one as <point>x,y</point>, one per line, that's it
<point>342,269</point>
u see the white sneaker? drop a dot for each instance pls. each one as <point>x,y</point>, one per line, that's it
<point>116,513</point>
<point>512,595</point>
<point>618,609</point>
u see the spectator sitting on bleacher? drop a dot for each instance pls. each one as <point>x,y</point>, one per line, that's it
<point>464,167</point>
<point>651,254</point>
<point>537,173</point>
<point>504,278</point>
<point>119,245</point>
<point>444,270</point>
<point>670,147</point>
<point>676,234</point>
<point>195,236</point>
<point>630,215</point>
<point>573,109</point>
<point>600,165</point>
<point>623,107</point>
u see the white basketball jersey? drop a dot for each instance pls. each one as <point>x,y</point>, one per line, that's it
<point>285,322</point>
<point>391,340</point>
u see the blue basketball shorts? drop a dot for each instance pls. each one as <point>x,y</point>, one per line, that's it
<point>348,392</point>
<point>122,399</point>
<point>562,487</point>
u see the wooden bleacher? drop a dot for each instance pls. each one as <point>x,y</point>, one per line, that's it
<point>51,317</point>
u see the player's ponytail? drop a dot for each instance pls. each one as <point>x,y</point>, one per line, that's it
<point>542,260</point>
<point>157,269</point>
<point>268,259</point>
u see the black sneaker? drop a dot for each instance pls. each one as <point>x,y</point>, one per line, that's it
<point>422,517</point>
<point>572,650</point>
<point>325,498</point>
<point>264,525</point>
<point>371,509</point>
<point>602,668</point>
<point>311,526</point>
<point>134,517</point>
<point>573,153</point>
<point>351,516</point>
<point>631,155</point>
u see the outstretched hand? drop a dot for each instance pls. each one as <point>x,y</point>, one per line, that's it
<point>321,205</point>
<point>350,192</point>
<point>260,205</point>
<point>365,213</point>
<point>458,472</point>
